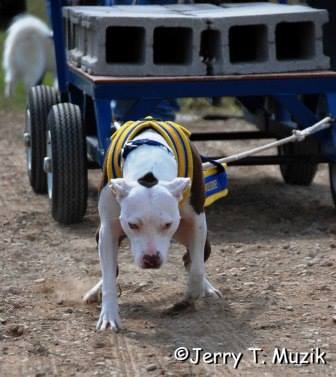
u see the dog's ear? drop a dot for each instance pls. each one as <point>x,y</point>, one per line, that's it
<point>120,188</point>
<point>177,187</point>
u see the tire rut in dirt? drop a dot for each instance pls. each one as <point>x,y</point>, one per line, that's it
<point>126,357</point>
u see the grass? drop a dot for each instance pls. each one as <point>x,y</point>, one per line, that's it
<point>227,106</point>
<point>18,100</point>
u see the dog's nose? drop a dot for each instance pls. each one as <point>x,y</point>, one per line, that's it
<point>152,261</point>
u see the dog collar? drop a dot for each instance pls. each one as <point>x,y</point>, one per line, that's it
<point>132,145</point>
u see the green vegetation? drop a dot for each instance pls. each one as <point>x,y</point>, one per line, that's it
<point>225,105</point>
<point>18,101</point>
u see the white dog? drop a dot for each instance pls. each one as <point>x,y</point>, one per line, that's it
<point>151,204</point>
<point>28,53</point>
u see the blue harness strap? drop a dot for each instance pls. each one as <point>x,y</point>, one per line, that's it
<point>215,181</point>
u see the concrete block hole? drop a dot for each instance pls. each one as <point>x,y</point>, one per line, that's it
<point>70,34</point>
<point>295,40</point>
<point>125,44</point>
<point>248,44</point>
<point>173,45</point>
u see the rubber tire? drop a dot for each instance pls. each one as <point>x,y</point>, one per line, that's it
<point>332,179</point>
<point>69,164</point>
<point>40,100</point>
<point>299,172</point>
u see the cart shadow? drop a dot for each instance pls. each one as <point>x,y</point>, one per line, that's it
<point>265,208</point>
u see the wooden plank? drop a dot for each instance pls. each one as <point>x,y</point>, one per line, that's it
<point>167,79</point>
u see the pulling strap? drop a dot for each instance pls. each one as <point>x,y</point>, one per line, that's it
<point>215,181</point>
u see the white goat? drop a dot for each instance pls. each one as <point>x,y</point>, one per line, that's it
<point>28,53</point>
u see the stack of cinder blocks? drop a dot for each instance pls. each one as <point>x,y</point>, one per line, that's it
<point>195,39</point>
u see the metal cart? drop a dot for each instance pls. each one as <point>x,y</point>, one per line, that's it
<point>72,126</point>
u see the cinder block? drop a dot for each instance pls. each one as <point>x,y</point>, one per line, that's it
<point>286,38</point>
<point>256,37</point>
<point>195,39</point>
<point>74,34</point>
<point>139,41</point>
<point>211,50</point>
<point>70,26</point>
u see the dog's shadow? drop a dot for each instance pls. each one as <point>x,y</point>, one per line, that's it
<point>214,325</point>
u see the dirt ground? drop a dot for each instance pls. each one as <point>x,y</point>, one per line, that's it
<point>273,259</point>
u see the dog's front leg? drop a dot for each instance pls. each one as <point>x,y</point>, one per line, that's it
<point>109,234</point>
<point>197,239</point>
<point>108,249</point>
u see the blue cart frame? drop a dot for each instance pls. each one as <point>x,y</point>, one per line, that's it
<point>93,94</point>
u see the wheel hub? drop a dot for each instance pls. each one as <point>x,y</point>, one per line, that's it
<point>47,165</point>
<point>27,139</point>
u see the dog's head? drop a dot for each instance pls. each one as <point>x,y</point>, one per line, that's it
<point>149,215</point>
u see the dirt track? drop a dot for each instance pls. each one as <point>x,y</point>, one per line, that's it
<point>273,259</point>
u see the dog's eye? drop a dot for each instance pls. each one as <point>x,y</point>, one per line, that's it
<point>133,226</point>
<point>167,226</point>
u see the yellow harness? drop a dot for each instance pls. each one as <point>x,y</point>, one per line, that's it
<point>176,136</point>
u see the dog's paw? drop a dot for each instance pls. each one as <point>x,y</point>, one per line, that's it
<point>109,318</point>
<point>195,288</point>
<point>210,290</point>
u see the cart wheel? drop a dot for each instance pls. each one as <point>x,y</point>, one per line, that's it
<point>299,172</point>
<point>66,164</point>
<point>40,100</point>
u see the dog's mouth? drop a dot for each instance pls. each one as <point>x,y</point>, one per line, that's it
<point>147,266</point>
<point>151,261</point>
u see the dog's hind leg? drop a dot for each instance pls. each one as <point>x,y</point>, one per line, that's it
<point>209,289</point>
<point>94,294</point>
<point>9,87</point>
<point>40,79</point>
